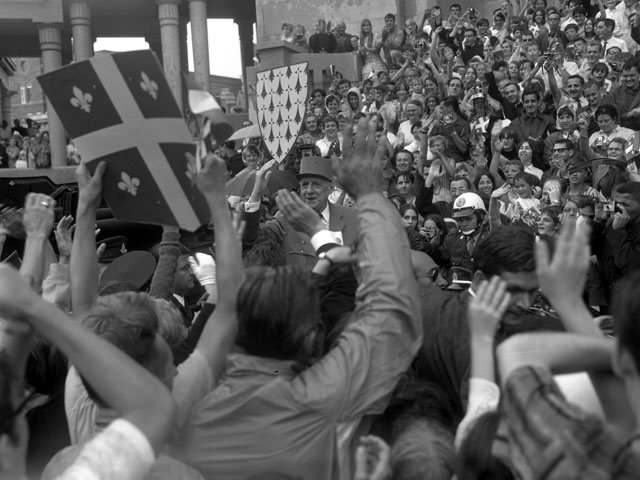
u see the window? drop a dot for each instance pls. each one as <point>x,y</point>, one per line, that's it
<point>25,93</point>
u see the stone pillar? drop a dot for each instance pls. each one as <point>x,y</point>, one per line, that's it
<point>245,31</point>
<point>51,48</point>
<point>80,18</point>
<point>200,41</point>
<point>169,17</point>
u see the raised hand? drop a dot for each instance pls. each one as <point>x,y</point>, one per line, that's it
<point>620,219</point>
<point>372,459</point>
<point>487,307</point>
<point>11,222</point>
<point>203,267</point>
<point>212,177</point>
<point>298,214</point>
<point>500,191</point>
<point>563,276</point>
<point>90,186</point>
<point>64,237</point>
<point>38,215</point>
<point>360,171</point>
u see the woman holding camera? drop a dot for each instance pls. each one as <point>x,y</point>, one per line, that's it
<point>452,125</point>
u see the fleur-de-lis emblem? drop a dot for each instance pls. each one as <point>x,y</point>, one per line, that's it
<point>149,86</point>
<point>128,184</point>
<point>123,248</point>
<point>81,100</point>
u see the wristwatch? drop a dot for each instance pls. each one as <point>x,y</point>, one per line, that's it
<point>324,256</point>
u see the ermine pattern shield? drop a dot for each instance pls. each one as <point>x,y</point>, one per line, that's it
<point>120,109</point>
<point>281,98</point>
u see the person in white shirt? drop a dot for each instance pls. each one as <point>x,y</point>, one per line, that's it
<point>331,136</point>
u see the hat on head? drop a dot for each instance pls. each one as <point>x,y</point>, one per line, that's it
<point>132,267</point>
<point>316,167</point>
<point>115,248</point>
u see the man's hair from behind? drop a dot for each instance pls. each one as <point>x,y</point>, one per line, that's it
<point>626,305</point>
<point>506,249</point>
<point>278,311</point>
<point>127,320</point>
<point>424,449</point>
<point>264,253</point>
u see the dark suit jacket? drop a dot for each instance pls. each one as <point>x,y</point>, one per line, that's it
<point>297,246</point>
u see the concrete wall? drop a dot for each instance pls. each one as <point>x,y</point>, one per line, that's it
<point>35,10</point>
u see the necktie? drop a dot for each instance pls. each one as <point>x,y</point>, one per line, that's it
<point>471,244</point>
<point>324,221</point>
<point>604,48</point>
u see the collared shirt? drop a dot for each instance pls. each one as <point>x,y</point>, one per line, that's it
<point>536,127</point>
<point>267,416</point>
<point>534,171</point>
<point>326,216</point>
<point>599,140</point>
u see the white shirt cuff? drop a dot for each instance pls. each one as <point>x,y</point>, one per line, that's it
<point>325,236</point>
<point>251,207</point>
<point>484,396</point>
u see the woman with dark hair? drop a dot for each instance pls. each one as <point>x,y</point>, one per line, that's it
<point>484,184</point>
<point>434,231</point>
<point>409,216</point>
<point>510,141</point>
<point>370,50</point>
<point>452,125</point>
<point>539,22</point>
<point>589,31</point>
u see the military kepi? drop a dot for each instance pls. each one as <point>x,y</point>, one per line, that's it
<point>316,167</point>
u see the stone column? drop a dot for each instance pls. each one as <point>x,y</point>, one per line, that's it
<point>51,48</point>
<point>169,16</point>
<point>245,31</point>
<point>80,18</point>
<point>200,41</point>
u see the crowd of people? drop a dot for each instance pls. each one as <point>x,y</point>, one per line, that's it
<point>24,145</point>
<point>451,289</point>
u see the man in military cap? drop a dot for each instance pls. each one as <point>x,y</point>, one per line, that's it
<point>311,228</point>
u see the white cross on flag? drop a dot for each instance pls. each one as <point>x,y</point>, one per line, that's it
<point>119,109</point>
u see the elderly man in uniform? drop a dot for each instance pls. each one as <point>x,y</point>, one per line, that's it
<point>300,248</point>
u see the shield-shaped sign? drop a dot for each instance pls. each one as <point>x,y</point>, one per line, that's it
<point>281,100</point>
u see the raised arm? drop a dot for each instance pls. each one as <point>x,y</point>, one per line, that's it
<point>219,334</point>
<point>562,280</point>
<point>484,313</point>
<point>84,262</point>
<point>122,383</point>
<point>380,343</point>
<point>38,222</point>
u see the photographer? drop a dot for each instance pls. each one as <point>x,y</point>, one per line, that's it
<point>618,249</point>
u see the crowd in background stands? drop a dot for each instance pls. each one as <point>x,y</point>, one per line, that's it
<point>24,146</point>
<point>440,281</point>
